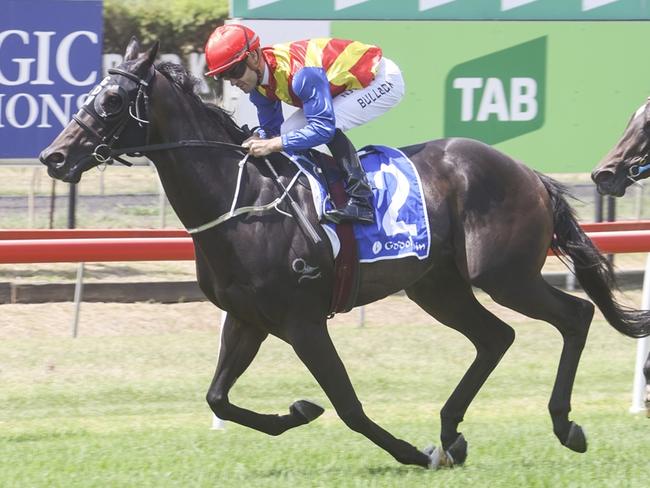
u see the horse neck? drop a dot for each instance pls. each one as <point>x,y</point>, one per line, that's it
<point>199,182</point>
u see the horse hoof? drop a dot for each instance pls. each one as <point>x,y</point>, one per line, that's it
<point>458,450</point>
<point>456,455</point>
<point>306,410</point>
<point>576,440</point>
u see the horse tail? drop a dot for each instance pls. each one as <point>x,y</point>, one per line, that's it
<point>592,269</point>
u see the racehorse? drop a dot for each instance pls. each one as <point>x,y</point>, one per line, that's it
<point>492,221</point>
<point>624,165</point>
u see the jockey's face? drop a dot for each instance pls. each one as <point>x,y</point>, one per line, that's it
<point>250,78</point>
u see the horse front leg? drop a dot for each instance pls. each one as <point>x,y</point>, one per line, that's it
<point>314,347</point>
<point>239,345</point>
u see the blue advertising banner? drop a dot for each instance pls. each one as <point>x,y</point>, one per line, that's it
<point>50,57</point>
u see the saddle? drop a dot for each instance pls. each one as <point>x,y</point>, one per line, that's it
<point>401,227</point>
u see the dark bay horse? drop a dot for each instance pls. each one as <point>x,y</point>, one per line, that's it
<point>492,221</point>
<point>625,164</point>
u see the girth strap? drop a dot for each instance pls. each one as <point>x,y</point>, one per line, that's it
<point>345,286</point>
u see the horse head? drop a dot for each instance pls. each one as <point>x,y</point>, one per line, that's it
<point>627,161</point>
<point>117,103</point>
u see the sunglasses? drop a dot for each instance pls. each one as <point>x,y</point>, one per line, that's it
<point>236,72</point>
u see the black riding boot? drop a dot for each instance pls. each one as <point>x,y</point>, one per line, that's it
<point>359,205</point>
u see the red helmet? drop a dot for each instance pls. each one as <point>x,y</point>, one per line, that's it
<point>228,45</point>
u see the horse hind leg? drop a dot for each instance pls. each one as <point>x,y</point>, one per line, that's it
<point>239,346</point>
<point>448,297</point>
<point>572,316</point>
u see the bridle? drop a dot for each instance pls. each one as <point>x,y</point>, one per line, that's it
<point>112,125</point>
<point>636,170</point>
<point>639,165</point>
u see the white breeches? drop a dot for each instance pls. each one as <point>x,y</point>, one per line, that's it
<point>353,108</point>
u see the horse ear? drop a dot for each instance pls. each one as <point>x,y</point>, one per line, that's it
<point>146,59</point>
<point>132,50</point>
<point>152,52</point>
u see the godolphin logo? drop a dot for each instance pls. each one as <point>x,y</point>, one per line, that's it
<point>499,96</point>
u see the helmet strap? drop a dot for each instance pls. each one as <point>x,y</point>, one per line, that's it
<point>260,75</point>
<point>259,68</point>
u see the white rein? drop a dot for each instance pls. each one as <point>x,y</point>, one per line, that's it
<point>234,212</point>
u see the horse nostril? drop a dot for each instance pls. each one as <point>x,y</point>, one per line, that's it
<point>602,175</point>
<point>55,159</point>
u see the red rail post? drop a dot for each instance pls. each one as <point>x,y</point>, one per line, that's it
<point>96,250</point>
<point>123,246</point>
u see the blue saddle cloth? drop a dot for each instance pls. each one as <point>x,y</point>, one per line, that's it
<point>401,226</point>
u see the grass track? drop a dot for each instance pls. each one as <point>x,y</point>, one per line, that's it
<point>129,410</point>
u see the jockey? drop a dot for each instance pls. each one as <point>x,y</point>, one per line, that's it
<point>338,85</point>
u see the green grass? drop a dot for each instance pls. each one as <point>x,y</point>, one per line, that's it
<point>127,411</point>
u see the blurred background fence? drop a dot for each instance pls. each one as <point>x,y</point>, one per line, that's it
<point>120,197</point>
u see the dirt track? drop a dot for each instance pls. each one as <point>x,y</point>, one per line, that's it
<point>100,319</point>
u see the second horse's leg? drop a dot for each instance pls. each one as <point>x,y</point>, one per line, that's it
<point>239,345</point>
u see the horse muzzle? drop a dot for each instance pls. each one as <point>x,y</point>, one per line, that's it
<point>609,183</point>
<point>57,166</point>
<point>55,162</point>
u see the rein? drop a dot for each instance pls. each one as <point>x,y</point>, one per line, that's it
<point>251,209</point>
<point>139,150</point>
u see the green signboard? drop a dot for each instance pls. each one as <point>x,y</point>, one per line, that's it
<point>498,96</point>
<point>555,95</point>
<point>443,9</point>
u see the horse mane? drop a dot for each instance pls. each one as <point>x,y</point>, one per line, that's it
<point>187,83</point>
